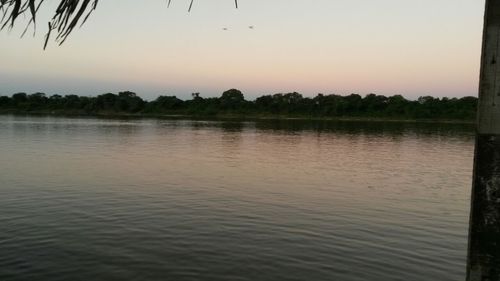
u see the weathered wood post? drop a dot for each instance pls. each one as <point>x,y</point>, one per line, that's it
<point>483,261</point>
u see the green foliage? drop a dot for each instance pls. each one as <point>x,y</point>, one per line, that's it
<point>232,100</point>
<point>233,103</point>
<point>164,104</point>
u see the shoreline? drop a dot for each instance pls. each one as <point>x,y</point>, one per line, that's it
<point>239,117</point>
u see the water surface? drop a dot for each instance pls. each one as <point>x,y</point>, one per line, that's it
<point>100,199</point>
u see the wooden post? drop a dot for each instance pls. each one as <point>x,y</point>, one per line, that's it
<point>483,261</point>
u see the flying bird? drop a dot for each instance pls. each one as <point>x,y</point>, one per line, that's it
<point>251,27</point>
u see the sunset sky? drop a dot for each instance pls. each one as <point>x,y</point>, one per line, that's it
<point>413,48</point>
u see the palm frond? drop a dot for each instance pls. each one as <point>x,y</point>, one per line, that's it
<point>68,15</point>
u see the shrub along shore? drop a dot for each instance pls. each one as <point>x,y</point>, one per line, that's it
<point>233,104</point>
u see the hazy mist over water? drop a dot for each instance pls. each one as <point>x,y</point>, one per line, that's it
<point>142,199</point>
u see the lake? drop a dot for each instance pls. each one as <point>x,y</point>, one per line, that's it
<point>145,199</point>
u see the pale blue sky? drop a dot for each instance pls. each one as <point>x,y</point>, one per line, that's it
<point>424,47</point>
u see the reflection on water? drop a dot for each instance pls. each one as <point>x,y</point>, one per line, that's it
<point>101,199</point>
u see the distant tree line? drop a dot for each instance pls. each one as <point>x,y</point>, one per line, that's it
<point>233,103</point>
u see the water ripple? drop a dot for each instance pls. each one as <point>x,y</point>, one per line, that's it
<point>96,199</point>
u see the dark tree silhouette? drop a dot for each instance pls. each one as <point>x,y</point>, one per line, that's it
<point>232,103</point>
